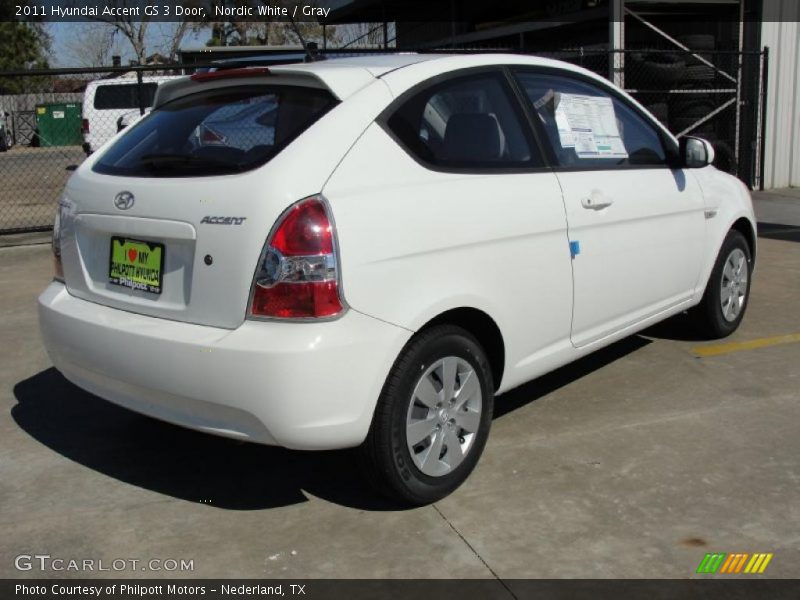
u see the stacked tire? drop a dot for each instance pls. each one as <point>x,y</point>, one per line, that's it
<point>703,45</point>
<point>655,71</point>
<point>652,70</point>
<point>688,107</point>
<point>659,109</point>
<point>685,109</point>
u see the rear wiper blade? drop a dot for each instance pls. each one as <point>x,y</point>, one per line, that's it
<point>190,160</point>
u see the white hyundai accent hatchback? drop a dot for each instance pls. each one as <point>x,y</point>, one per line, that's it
<point>364,252</point>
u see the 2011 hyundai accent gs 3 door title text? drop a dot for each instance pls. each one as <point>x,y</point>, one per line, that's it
<point>364,252</point>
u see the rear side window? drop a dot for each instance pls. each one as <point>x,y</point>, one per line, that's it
<point>469,123</point>
<point>124,96</point>
<point>590,128</point>
<point>215,132</point>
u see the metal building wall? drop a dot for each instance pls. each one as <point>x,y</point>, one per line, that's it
<point>780,31</point>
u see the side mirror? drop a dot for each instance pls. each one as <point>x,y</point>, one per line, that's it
<point>696,152</point>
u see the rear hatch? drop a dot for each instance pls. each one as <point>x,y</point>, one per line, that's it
<point>170,219</point>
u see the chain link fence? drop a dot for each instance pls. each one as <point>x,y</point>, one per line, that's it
<point>50,120</point>
<point>718,95</point>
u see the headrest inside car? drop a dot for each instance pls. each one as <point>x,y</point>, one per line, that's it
<point>472,137</point>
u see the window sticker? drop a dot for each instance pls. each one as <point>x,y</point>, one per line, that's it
<point>588,124</point>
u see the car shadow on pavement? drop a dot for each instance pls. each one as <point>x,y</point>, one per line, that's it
<point>546,384</point>
<point>220,472</point>
<point>680,327</point>
<point>777,231</point>
<point>179,462</point>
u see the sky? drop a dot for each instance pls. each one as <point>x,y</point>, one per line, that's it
<point>63,32</point>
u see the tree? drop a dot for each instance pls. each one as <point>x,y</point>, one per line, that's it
<point>25,45</point>
<point>172,36</point>
<point>248,33</point>
<point>368,35</point>
<point>267,31</point>
<point>228,33</point>
<point>92,45</point>
<point>138,31</point>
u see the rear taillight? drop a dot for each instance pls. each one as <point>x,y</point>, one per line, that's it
<point>209,137</point>
<point>297,275</point>
<point>84,126</point>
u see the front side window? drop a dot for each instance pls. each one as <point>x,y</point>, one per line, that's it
<point>589,128</point>
<point>215,132</point>
<point>466,123</point>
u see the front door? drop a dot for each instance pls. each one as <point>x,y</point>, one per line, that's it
<point>636,224</point>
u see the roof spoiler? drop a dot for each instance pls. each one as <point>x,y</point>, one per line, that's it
<point>230,74</point>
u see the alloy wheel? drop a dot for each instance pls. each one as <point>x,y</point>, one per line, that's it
<point>444,415</point>
<point>733,289</point>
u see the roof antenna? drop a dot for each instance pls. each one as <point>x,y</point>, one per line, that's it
<point>312,52</point>
<point>309,47</point>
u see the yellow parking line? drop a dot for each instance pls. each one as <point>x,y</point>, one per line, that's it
<point>717,349</point>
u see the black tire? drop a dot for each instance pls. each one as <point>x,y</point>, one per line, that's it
<point>650,69</point>
<point>710,57</point>
<point>723,156</point>
<point>659,110</point>
<point>679,103</point>
<point>700,41</point>
<point>679,124</point>
<point>3,142</point>
<point>708,315</point>
<point>555,8</point>
<point>698,108</point>
<point>385,455</point>
<point>700,72</point>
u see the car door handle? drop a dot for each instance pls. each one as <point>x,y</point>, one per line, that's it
<point>596,202</point>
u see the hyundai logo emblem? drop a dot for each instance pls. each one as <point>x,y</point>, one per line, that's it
<point>124,200</point>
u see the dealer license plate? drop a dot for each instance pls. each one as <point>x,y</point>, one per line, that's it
<point>136,265</point>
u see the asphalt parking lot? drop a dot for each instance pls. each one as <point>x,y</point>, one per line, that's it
<point>634,462</point>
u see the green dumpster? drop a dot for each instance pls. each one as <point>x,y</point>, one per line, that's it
<point>59,124</point>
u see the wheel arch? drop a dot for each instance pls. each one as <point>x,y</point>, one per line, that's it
<point>485,330</point>
<point>747,229</point>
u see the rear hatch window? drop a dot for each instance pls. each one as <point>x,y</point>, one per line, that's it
<point>216,132</point>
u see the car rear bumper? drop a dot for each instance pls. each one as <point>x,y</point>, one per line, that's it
<point>309,386</point>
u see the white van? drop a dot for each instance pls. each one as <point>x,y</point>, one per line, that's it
<point>108,100</point>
